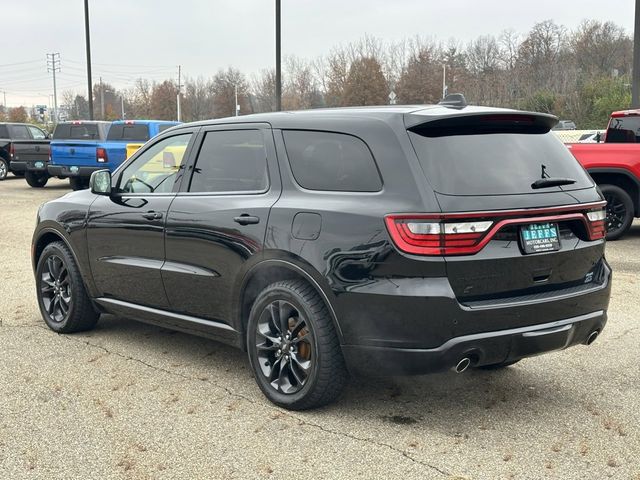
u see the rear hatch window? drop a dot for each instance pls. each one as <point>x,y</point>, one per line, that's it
<point>489,156</point>
<point>83,131</point>
<point>133,133</point>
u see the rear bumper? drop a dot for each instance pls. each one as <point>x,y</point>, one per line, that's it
<point>18,166</point>
<point>485,348</point>
<point>37,166</point>
<point>66,171</point>
<point>417,326</point>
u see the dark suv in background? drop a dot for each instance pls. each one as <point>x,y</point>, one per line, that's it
<point>382,240</point>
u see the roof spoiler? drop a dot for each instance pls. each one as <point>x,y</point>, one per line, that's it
<point>453,100</point>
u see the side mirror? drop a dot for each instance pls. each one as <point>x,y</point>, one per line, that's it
<point>100,182</point>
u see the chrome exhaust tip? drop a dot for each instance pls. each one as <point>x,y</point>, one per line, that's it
<point>462,365</point>
<point>592,337</point>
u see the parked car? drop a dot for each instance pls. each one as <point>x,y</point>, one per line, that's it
<point>596,136</point>
<point>77,150</point>
<point>565,125</point>
<point>21,144</point>
<point>379,240</point>
<point>124,134</point>
<point>614,164</point>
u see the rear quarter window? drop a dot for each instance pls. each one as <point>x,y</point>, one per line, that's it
<point>4,133</point>
<point>624,130</point>
<point>331,161</point>
<point>134,133</point>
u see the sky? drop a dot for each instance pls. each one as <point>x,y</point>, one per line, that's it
<point>150,38</point>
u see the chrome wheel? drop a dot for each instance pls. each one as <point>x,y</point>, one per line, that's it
<point>3,169</point>
<point>55,289</point>
<point>284,347</point>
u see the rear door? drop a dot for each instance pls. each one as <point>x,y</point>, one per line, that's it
<point>125,232</point>
<point>217,222</point>
<point>483,169</point>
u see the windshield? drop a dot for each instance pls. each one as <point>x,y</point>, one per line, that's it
<point>495,163</point>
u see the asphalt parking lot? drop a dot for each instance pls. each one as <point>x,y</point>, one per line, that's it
<point>129,400</point>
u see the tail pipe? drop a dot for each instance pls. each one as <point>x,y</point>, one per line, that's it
<point>462,365</point>
<point>592,337</point>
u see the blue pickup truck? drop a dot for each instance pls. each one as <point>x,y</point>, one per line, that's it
<point>79,148</point>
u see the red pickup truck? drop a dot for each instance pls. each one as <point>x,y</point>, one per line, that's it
<point>615,166</point>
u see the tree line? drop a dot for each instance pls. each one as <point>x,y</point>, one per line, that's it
<point>581,74</point>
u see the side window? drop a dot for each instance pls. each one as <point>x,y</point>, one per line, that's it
<point>331,161</point>
<point>4,133</point>
<point>231,161</point>
<point>36,133</point>
<point>155,170</point>
<point>19,132</point>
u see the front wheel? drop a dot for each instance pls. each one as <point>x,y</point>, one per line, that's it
<point>4,168</point>
<point>620,211</point>
<point>62,298</point>
<point>293,347</point>
<point>36,180</point>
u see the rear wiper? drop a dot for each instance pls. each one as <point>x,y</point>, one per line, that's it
<point>551,182</point>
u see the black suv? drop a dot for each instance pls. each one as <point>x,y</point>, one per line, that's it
<point>383,240</point>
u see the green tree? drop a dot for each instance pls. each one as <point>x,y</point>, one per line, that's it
<point>365,83</point>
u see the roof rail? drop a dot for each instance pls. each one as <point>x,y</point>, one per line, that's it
<point>453,100</point>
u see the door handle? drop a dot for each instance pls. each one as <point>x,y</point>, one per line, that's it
<point>152,215</point>
<point>245,219</point>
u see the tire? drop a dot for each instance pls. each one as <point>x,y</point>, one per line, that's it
<point>620,211</point>
<point>498,366</point>
<point>36,180</point>
<point>4,169</point>
<point>57,275</point>
<point>78,183</point>
<point>314,372</point>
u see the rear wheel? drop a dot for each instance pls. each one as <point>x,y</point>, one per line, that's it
<point>4,168</point>
<point>36,179</point>
<point>62,298</point>
<point>620,211</point>
<point>293,347</point>
<point>78,183</point>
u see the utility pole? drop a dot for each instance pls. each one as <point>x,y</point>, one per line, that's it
<point>444,80</point>
<point>236,95</point>
<point>53,66</point>
<point>4,103</point>
<point>635,78</point>
<point>101,100</point>
<point>88,46</point>
<point>179,91</point>
<point>122,105</point>
<point>278,63</point>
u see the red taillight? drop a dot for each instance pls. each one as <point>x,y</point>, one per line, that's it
<point>468,233</point>
<point>596,224</point>
<point>433,236</point>
<point>101,155</point>
<point>12,151</point>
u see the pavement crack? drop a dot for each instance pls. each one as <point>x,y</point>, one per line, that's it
<point>287,413</point>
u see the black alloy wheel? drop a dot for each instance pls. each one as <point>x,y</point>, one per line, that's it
<point>293,347</point>
<point>55,289</point>
<point>62,298</point>
<point>284,345</point>
<point>620,211</point>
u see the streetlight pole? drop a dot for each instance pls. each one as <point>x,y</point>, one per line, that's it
<point>635,78</point>
<point>278,63</point>
<point>88,47</point>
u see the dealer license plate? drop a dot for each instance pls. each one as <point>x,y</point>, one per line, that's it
<point>540,237</point>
